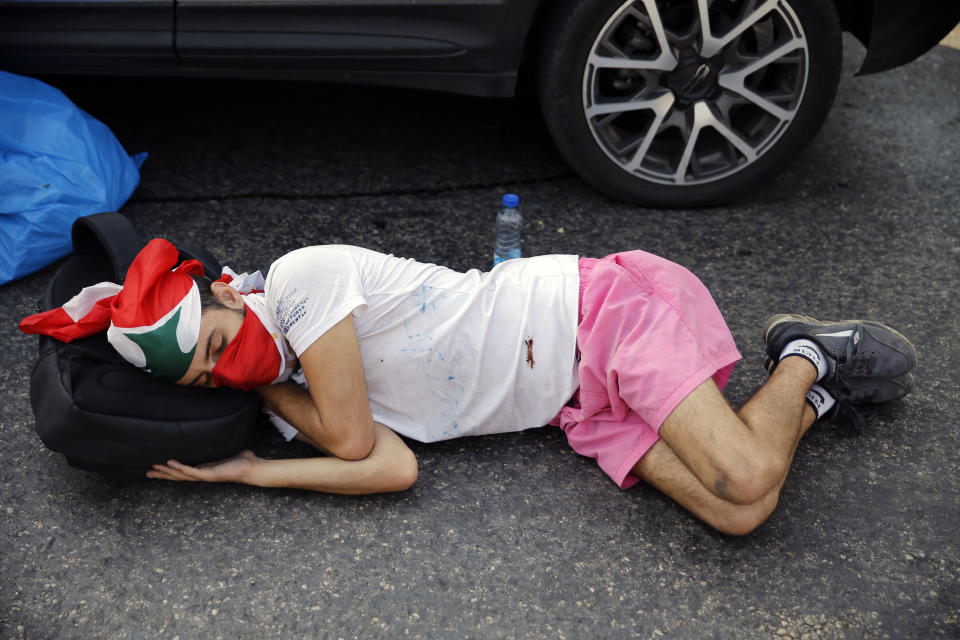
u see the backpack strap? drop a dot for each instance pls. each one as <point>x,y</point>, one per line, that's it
<point>211,266</point>
<point>110,233</point>
<point>107,233</point>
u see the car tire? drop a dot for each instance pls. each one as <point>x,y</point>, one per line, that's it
<point>705,118</point>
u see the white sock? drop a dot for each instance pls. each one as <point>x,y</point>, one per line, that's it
<point>810,351</point>
<point>820,399</point>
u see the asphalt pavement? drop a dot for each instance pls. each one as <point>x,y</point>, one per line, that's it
<point>515,536</point>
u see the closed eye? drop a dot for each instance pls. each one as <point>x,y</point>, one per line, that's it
<point>221,348</point>
<point>209,348</point>
<point>204,379</point>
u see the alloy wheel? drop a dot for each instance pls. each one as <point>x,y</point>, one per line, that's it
<point>685,92</point>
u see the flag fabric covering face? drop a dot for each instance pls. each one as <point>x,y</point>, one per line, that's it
<point>57,163</point>
<point>259,354</point>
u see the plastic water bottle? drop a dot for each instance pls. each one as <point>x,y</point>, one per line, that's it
<point>509,221</point>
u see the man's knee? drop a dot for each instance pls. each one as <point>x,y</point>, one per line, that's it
<point>715,443</point>
<point>747,481</point>
<point>739,520</point>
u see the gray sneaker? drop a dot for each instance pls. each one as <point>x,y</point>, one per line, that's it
<point>854,404</point>
<point>867,361</point>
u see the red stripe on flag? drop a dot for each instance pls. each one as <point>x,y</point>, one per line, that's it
<point>251,359</point>
<point>58,324</point>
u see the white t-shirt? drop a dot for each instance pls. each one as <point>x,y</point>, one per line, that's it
<point>445,354</point>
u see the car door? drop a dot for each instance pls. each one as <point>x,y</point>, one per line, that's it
<point>354,40</point>
<point>86,35</point>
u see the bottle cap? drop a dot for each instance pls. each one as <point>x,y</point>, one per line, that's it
<point>511,200</point>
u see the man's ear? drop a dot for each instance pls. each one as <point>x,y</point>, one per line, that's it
<point>227,295</point>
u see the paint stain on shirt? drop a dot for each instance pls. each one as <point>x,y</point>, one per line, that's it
<point>530,361</point>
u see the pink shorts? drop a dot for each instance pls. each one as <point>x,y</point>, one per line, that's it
<point>649,334</point>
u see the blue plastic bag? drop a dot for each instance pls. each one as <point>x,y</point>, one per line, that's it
<point>56,164</point>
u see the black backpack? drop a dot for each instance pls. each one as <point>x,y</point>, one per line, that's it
<point>107,416</point>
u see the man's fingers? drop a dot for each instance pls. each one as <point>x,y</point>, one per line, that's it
<point>163,472</point>
<point>173,470</point>
<point>229,470</point>
<point>191,473</point>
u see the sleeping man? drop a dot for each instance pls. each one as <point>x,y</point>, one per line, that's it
<point>627,354</point>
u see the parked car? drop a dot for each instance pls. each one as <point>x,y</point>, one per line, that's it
<point>659,102</point>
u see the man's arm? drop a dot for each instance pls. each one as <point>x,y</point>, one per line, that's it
<point>390,466</point>
<point>335,415</point>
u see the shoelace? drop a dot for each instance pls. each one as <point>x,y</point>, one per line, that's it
<point>859,363</point>
<point>846,390</point>
<point>845,413</point>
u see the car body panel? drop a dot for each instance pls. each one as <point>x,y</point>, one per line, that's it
<point>469,46</point>
<point>901,31</point>
<point>464,46</point>
<point>460,35</point>
<point>63,35</point>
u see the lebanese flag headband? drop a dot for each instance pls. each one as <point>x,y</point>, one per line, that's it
<point>153,321</point>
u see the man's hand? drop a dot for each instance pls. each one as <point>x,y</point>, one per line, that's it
<point>235,469</point>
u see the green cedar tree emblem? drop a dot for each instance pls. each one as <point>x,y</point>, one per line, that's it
<point>162,351</point>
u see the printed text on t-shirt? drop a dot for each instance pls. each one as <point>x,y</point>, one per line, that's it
<point>290,310</point>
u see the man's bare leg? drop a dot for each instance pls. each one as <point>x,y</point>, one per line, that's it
<point>662,468</point>
<point>727,468</point>
<point>742,457</point>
